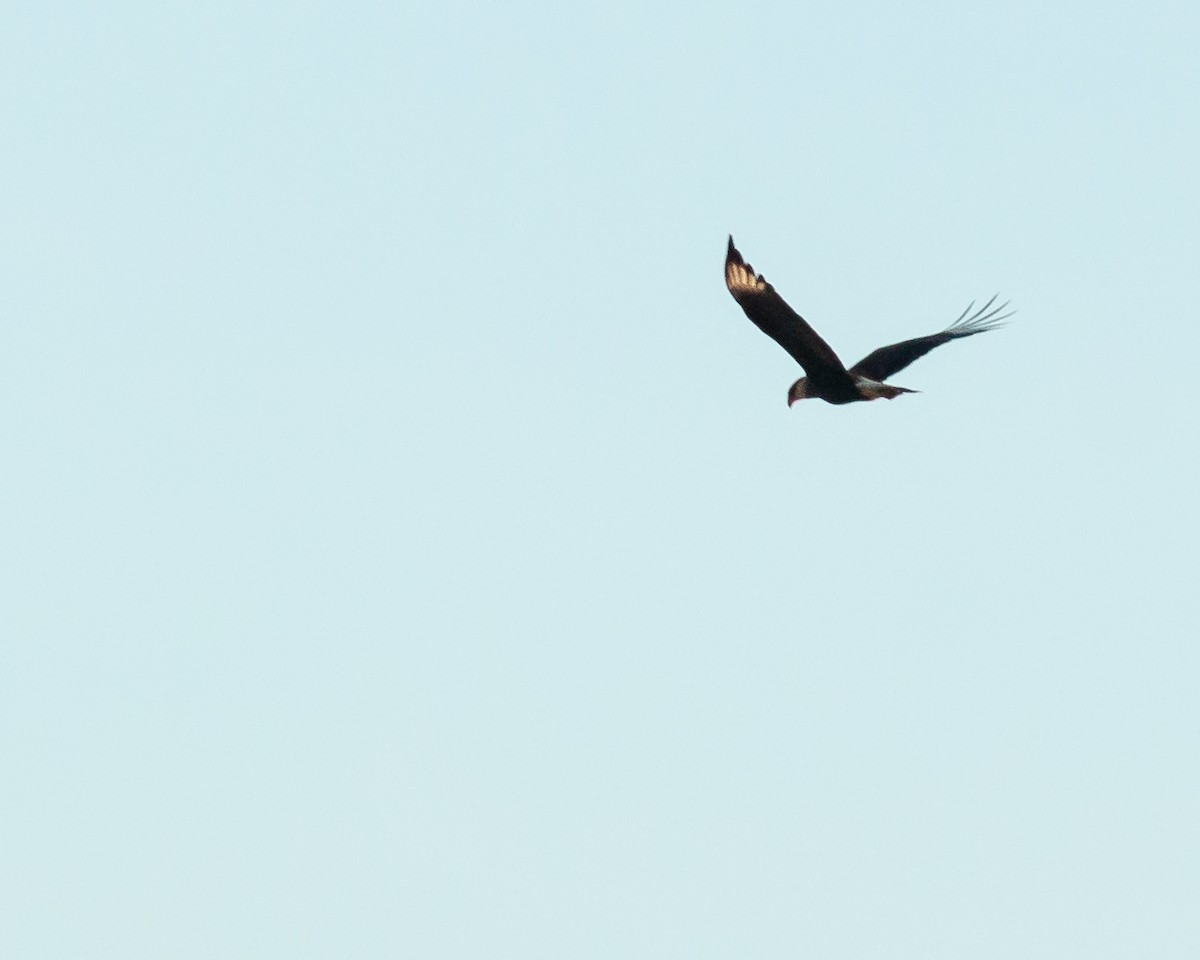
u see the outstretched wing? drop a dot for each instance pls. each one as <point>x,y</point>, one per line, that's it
<point>886,361</point>
<point>775,318</point>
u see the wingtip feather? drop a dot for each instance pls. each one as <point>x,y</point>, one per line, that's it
<point>740,277</point>
<point>987,317</point>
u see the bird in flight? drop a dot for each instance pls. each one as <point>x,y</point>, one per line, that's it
<point>827,378</point>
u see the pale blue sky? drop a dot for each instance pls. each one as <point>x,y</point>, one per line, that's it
<point>407,548</point>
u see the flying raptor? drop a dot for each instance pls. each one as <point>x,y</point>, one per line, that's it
<point>827,378</point>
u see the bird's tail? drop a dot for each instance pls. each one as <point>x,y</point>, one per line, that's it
<point>873,389</point>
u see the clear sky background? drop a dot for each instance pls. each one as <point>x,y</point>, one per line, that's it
<point>407,549</point>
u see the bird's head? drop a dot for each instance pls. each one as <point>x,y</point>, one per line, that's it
<point>798,391</point>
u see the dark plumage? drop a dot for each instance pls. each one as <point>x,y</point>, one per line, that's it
<point>827,377</point>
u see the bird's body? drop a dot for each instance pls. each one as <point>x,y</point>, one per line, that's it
<point>827,377</point>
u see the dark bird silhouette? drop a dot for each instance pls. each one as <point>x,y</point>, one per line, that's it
<point>827,378</point>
